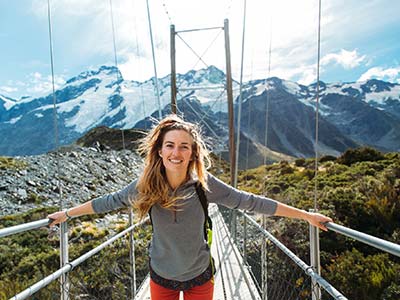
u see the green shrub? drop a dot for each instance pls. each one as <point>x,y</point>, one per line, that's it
<point>300,162</point>
<point>361,277</point>
<point>11,163</point>
<point>326,158</point>
<point>352,156</point>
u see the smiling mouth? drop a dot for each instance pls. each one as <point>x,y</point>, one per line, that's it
<point>175,161</point>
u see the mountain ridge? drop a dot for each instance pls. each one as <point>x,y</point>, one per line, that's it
<point>350,114</point>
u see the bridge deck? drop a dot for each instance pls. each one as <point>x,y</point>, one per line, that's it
<point>232,279</point>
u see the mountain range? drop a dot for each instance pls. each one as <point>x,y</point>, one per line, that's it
<point>349,114</point>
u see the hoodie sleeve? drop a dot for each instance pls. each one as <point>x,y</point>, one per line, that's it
<point>224,194</point>
<point>113,201</point>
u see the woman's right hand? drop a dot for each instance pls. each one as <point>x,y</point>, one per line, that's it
<point>57,218</point>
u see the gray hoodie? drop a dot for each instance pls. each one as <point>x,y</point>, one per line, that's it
<point>178,250</point>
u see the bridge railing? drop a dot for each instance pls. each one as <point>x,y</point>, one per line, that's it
<point>271,286</point>
<point>24,227</point>
<point>76,286</point>
<point>370,240</point>
<point>276,270</point>
<point>261,256</point>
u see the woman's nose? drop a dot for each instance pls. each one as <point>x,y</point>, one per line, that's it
<point>175,151</point>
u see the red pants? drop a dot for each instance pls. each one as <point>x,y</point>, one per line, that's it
<point>201,292</point>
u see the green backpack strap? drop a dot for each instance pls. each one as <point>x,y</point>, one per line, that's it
<point>207,220</point>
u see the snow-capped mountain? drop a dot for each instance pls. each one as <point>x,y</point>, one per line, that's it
<point>350,114</point>
<point>91,99</point>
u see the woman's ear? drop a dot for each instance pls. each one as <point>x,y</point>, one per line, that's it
<point>159,153</point>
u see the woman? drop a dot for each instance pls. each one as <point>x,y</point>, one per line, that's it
<point>175,158</point>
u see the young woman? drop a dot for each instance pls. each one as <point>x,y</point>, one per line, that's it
<point>175,161</point>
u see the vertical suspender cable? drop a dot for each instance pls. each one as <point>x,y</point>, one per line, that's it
<point>116,65</point>
<point>267,95</point>
<point>264,246</point>
<point>63,226</point>
<point>246,167</point>
<point>317,110</point>
<point>235,175</point>
<point>240,97</point>
<point>140,68</point>
<point>248,119</point>
<point>314,233</point>
<point>56,138</point>
<point>154,61</point>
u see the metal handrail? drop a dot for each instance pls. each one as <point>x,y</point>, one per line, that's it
<point>24,227</point>
<point>306,268</point>
<point>68,267</point>
<point>365,238</point>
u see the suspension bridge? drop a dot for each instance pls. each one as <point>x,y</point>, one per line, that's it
<point>244,251</point>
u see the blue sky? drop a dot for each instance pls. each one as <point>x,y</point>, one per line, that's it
<point>359,39</point>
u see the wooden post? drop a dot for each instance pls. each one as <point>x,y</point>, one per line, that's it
<point>173,71</point>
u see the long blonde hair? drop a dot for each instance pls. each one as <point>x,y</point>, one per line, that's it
<point>152,185</point>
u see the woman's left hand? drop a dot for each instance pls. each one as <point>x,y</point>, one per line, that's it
<point>318,220</point>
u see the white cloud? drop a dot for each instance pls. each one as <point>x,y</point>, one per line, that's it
<point>8,89</point>
<point>390,74</point>
<point>39,85</point>
<point>85,26</point>
<point>347,59</point>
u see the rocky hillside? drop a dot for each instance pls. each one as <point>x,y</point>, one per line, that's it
<point>84,173</point>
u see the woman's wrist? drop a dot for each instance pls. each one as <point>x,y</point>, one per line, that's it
<point>306,215</point>
<point>66,212</point>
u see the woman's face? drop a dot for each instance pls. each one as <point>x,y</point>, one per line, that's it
<point>176,151</point>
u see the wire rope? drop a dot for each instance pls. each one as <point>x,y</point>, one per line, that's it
<point>194,52</point>
<point>55,116</point>
<point>139,69</point>
<point>248,120</point>
<point>268,91</point>
<point>167,13</point>
<point>240,97</point>
<point>264,246</point>
<point>204,52</point>
<point>208,48</point>
<point>154,61</point>
<point>64,227</point>
<point>317,110</point>
<point>205,123</point>
<point>119,79</point>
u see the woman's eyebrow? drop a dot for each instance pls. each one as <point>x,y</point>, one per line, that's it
<point>182,143</point>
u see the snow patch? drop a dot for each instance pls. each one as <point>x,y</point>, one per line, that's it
<point>14,120</point>
<point>7,102</point>
<point>382,97</point>
<point>291,87</point>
